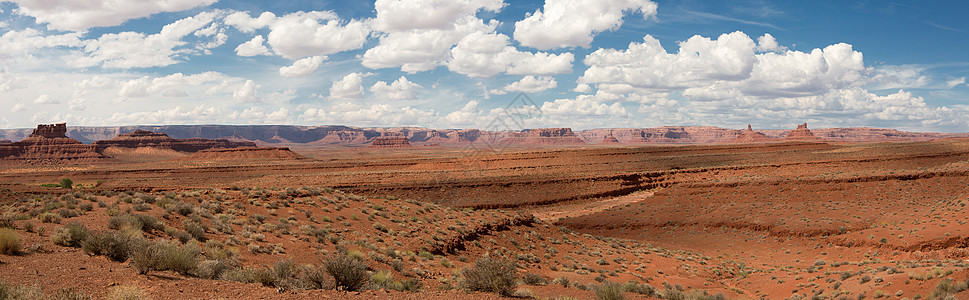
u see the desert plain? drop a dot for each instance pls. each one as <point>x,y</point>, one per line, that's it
<point>748,218</point>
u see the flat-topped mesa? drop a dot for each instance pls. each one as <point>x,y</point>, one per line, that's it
<point>390,140</point>
<point>49,142</point>
<point>143,138</point>
<point>5,142</point>
<point>751,136</point>
<point>802,133</point>
<point>609,139</point>
<point>546,136</point>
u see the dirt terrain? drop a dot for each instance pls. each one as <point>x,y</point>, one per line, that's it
<point>778,220</point>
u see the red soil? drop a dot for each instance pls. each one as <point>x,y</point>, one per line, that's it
<point>745,220</point>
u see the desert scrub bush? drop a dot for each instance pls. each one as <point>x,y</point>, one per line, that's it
<point>348,273</point>
<point>314,278</point>
<point>49,217</point>
<point>166,255</point>
<point>10,243</point>
<point>127,292</point>
<point>142,222</point>
<point>19,291</point>
<point>195,229</point>
<point>71,235</point>
<point>67,213</point>
<point>946,288</point>
<point>114,246</point>
<point>610,291</point>
<point>491,275</point>
<point>534,279</point>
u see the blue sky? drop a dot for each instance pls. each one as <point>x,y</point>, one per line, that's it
<point>460,63</point>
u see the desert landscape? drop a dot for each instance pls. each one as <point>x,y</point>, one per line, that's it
<point>414,213</point>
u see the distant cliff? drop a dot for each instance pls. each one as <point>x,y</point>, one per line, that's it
<point>360,136</point>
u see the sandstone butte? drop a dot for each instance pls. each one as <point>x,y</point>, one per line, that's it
<point>802,133</point>
<point>142,138</point>
<point>751,136</point>
<point>609,139</point>
<point>49,142</point>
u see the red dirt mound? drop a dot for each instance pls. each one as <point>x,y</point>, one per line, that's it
<point>751,136</point>
<point>267,153</point>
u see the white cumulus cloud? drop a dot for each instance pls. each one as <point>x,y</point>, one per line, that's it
<point>574,23</point>
<point>302,34</point>
<point>303,67</point>
<point>487,54</point>
<point>400,89</point>
<point>253,47</point>
<point>82,15</point>
<point>45,99</point>
<point>529,84</point>
<point>418,50</point>
<point>350,87</point>
<point>129,49</point>
<point>247,92</point>
<point>402,15</point>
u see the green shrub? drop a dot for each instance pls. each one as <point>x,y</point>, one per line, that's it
<point>71,235</point>
<point>114,246</point>
<point>491,275</point>
<point>127,292</point>
<point>9,242</point>
<point>67,183</point>
<point>348,273</point>
<point>610,291</point>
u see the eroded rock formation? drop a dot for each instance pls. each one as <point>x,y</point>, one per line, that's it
<point>142,138</point>
<point>802,133</point>
<point>751,136</point>
<point>609,139</point>
<point>49,142</point>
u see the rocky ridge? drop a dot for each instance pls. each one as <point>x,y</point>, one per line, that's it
<point>143,138</point>
<point>342,136</point>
